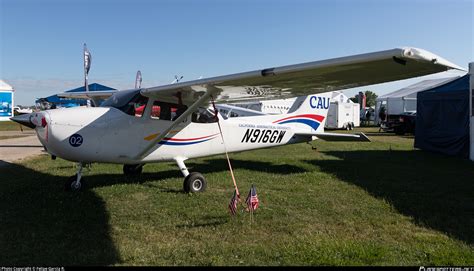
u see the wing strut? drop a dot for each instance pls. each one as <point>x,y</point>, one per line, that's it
<point>147,150</point>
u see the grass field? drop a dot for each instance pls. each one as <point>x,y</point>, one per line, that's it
<point>11,126</point>
<point>378,203</point>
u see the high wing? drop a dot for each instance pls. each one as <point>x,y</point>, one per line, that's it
<point>309,78</point>
<point>300,79</point>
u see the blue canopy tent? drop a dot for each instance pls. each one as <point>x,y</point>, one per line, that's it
<point>92,87</point>
<point>56,101</point>
<point>442,120</point>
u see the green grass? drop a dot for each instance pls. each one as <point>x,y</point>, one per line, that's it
<point>378,203</point>
<point>11,126</point>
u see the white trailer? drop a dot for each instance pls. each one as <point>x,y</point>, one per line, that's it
<point>342,115</point>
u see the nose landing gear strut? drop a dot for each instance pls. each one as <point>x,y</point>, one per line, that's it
<point>76,182</point>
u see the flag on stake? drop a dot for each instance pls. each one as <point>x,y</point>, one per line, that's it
<point>138,80</point>
<point>87,60</point>
<point>252,199</point>
<point>233,203</point>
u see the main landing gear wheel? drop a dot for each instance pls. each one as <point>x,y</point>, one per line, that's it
<point>194,183</point>
<point>73,185</point>
<point>132,170</point>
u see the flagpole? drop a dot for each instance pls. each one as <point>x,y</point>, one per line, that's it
<point>225,149</point>
<point>251,204</point>
<point>87,63</point>
<point>251,213</point>
<point>138,79</point>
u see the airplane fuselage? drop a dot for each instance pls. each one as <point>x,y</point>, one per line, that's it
<point>106,134</point>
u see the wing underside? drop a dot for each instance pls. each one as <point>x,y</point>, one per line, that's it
<point>309,78</point>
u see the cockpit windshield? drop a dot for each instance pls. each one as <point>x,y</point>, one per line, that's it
<point>120,98</point>
<point>133,103</point>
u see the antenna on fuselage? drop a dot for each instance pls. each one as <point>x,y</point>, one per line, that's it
<point>176,79</point>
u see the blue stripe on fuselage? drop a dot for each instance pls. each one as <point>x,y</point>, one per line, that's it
<point>165,142</point>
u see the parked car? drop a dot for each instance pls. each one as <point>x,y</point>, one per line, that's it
<point>400,124</point>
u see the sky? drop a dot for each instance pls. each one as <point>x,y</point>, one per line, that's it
<point>41,41</point>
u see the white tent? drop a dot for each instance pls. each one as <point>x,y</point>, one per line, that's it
<point>404,100</point>
<point>4,86</point>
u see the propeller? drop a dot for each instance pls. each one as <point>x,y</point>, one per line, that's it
<point>24,119</point>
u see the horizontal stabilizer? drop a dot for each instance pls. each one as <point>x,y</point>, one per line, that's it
<point>339,137</point>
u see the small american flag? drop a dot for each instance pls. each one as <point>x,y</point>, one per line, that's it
<point>233,203</point>
<point>252,199</point>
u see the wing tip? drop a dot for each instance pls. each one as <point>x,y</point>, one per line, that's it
<point>424,55</point>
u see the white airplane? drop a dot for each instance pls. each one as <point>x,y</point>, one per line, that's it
<point>20,110</point>
<point>174,122</point>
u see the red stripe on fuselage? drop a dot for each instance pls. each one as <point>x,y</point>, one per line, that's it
<point>186,139</point>
<point>318,118</point>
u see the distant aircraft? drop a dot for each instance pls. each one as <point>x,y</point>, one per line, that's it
<point>20,110</point>
<point>177,122</point>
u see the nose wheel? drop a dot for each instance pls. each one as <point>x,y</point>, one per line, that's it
<point>76,182</point>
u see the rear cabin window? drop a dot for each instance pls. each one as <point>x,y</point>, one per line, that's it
<point>204,115</point>
<point>167,111</point>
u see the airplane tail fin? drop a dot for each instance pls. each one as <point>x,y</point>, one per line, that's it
<point>308,113</point>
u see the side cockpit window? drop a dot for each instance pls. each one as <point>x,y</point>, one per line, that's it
<point>167,111</point>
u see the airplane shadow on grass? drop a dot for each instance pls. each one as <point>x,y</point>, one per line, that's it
<point>212,165</point>
<point>435,190</point>
<point>40,224</point>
